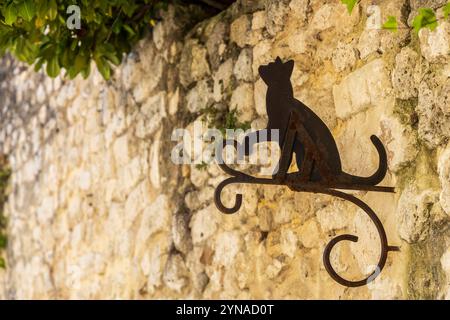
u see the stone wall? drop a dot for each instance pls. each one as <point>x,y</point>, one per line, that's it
<point>98,210</point>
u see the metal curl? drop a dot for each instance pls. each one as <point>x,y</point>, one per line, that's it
<point>218,200</point>
<point>328,186</point>
<point>385,248</point>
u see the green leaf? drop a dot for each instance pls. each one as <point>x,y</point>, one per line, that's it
<point>52,10</point>
<point>2,263</point>
<point>103,68</point>
<point>113,58</point>
<point>27,10</point>
<point>42,8</point>
<point>10,14</point>
<point>35,31</point>
<point>447,10</point>
<point>425,18</point>
<point>129,29</point>
<point>53,68</point>
<point>80,62</point>
<point>350,4</point>
<point>39,64</point>
<point>86,72</point>
<point>391,24</point>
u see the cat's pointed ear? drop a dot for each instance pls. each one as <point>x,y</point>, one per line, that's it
<point>289,66</point>
<point>263,73</point>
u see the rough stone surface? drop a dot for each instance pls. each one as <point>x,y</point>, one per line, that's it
<point>344,56</point>
<point>403,80</point>
<point>435,45</point>
<point>414,209</point>
<point>371,83</point>
<point>98,210</point>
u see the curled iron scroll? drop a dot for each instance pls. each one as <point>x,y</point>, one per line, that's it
<point>241,178</point>
<point>302,132</point>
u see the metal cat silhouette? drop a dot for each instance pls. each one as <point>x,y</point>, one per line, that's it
<point>303,133</point>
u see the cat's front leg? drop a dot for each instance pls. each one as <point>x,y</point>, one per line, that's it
<point>306,167</point>
<point>286,154</point>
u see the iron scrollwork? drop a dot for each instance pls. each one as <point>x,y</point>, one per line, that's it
<point>303,132</point>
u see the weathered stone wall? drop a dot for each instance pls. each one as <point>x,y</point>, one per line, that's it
<point>98,210</point>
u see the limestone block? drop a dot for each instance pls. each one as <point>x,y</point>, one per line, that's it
<point>299,10</point>
<point>153,112</point>
<point>227,245</point>
<point>204,224</point>
<point>159,35</point>
<point>196,199</point>
<point>193,64</point>
<point>276,11</point>
<point>243,67</point>
<point>445,261</point>
<point>259,20</point>
<point>240,31</point>
<point>322,19</point>
<point>199,177</point>
<point>385,289</point>
<point>444,177</point>
<point>40,94</point>
<point>260,89</point>
<point>180,232</point>
<point>155,218</point>
<point>361,89</point>
<point>432,108</point>
<point>173,102</point>
<point>435,45</point>
<point>413,213</point>
<point>261,55</point>
<point>217,36</point>
<point>299,42</point>
<point>288,243</point>
<point>309,235</point>
<point>155,174</point>
<point>222,80</point>
<point>403,80</point>
<point>334,216</point>
<point>242,101</point>
<point>175,273</point>
<point>121,152</point>
<point>200,97</point>
<point>344,56</point>
<point>157,257</point>
<point>136,202</point>
<point>400,142</point>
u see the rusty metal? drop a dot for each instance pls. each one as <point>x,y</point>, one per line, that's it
<point>303,132</point>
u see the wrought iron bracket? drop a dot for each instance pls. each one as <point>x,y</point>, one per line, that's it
<point>318,162</point>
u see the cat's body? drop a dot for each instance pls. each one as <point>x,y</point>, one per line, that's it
<point>281,105</point>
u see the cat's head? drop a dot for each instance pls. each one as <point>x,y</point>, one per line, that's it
<point>277,71</point>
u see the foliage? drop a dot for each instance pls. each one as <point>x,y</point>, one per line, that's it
<point>447,10</point>
<point>4,177</point>
<point>201,166</point>
<point>36,31</point>
<point>223,119</point>
<point>350,4</point>
<point>426,18</point>
<point>391,24</point>
<point>232,122</point>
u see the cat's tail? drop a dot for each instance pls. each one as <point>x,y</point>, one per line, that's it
<point>379,175</point>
